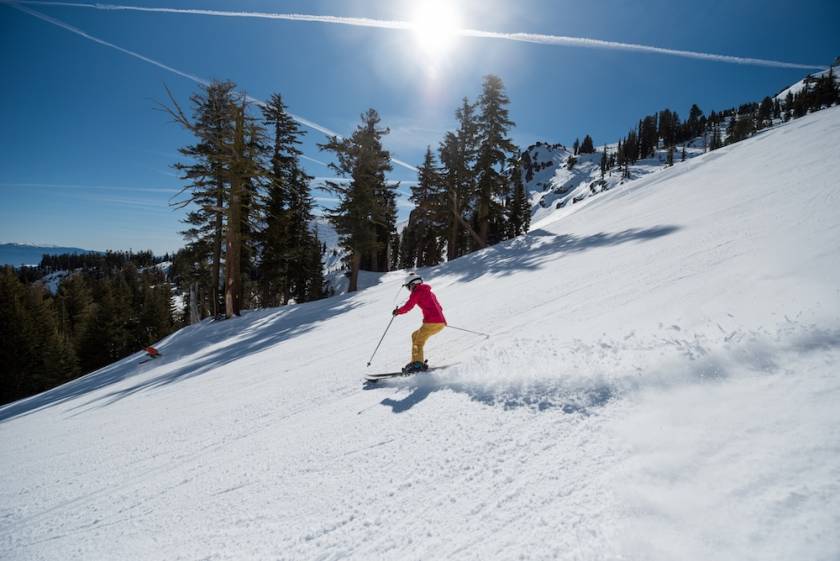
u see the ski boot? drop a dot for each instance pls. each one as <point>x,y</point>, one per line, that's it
<point>415,367</point>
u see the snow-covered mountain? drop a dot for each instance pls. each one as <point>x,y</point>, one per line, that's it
<point>558,180</point>
<point>797,87</point>
<point>17,254</point>
<point>660,382</point>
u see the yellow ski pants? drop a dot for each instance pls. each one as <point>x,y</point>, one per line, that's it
<point>419,338</point>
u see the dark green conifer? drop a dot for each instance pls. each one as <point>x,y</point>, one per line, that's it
<point>365,218</point>
<point>495,150</point>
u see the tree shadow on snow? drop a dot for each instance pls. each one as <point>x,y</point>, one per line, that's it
<point>536,248</point>
<point>214,344</point>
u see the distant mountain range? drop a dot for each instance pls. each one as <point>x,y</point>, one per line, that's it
<point>17,254</point>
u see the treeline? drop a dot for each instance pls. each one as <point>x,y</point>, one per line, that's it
<point>470,193</point>
<point>91,262</point>
<point>249,240</point>
<point>98,315</point>
<point>665,130</point>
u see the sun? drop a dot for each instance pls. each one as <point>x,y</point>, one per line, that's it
<point>435,26</point>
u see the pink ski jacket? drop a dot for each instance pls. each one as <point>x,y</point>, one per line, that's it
<point>423,296</point>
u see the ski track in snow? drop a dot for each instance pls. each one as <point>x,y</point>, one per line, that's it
<point>660,384</point>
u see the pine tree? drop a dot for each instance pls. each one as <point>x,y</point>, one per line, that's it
<point>207,188</point>
<point>694,123</point>
<point>800,104</point>
<point>274,262</point>
<point>631,149</point>
<point>604,162</point>
<point>243,156</point>
<point>629,152</point>
<point>367,204</point>
<point>189,272</point>
<point>587,147</point>
<point>576,147</point>
<point>426,222</point>
<point>647,139</point>
<point>788,106</point>
<point>825,91</point>
<point>495,150</point>
<point>16,337</point>
<point>408,249</point>
<point>458,152</point>
<point>290,250</point>
<point>619,154</point>
<point>742,128</point>
<point>34,352</point>
<point>156,320</point>
<point>668,126</point>
<point>518,209</point>
<point>224,179</point>
<point>111,333</point>
<point>306,265</point>
<point>765,113</point>
<point>76,303</point>
<point>730,128</point>
<point>53,360</point>
<point>316,285</point>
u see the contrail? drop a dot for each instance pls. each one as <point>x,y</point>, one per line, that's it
<point>78,31</point>
<point>319,162</point>
<point>614,45</point>
<point>555,40</point>
<point>302,120</point>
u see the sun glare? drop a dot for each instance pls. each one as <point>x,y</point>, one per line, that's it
<point>435,26</point>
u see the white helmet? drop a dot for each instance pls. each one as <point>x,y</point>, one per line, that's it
<point>412,279</point>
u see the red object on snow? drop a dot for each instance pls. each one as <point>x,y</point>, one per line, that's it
<point>152,352</point>
<point>423,296</point>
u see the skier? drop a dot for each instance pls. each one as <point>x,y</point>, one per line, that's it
<point>433,320</point>
<point>151,354</point>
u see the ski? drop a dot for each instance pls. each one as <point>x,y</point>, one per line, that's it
<point>373,378</point>
<point>384,376</point>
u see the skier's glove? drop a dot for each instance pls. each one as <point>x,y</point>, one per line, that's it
<point>395,312</point>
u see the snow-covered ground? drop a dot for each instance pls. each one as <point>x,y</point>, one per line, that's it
<point>660,383</point>
<point>53,280</point>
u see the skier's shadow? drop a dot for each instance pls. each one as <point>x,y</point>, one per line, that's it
<point>581,401</point>
<point>401,405</point>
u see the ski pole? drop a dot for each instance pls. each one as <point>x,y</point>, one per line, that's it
<point>380,340</point>
<point>485,335</point>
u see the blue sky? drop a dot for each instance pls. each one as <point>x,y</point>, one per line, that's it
<point>85,156</point>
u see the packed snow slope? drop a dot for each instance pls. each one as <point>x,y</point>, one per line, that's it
<point>660,383</point>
